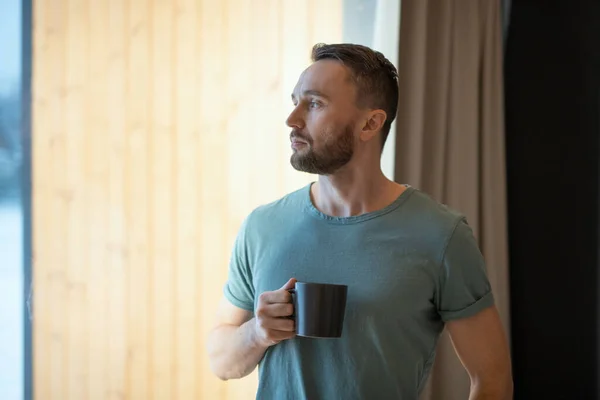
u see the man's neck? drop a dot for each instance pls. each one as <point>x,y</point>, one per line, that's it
<point>353,192</point>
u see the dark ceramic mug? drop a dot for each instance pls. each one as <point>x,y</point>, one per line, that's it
<point>319,309</point>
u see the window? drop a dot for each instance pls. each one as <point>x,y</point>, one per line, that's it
<point>14,199</point>
<point>376,24</point>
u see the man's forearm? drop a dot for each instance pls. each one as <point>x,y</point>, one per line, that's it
<point>234,351</point>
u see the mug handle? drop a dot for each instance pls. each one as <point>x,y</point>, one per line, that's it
<point>293,293</point>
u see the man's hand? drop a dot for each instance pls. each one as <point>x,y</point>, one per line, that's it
<point>272,324</point>
<point>239,341</point>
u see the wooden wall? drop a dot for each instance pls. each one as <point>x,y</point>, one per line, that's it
<point>157,126</point>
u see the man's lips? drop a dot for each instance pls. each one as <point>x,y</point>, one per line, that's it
<point>298,143</point>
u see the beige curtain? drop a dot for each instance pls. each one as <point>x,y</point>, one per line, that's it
<point>450,137</point>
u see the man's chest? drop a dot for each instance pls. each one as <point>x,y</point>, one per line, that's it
<point>386,272</point>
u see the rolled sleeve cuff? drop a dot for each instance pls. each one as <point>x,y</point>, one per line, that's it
<point>237,302</point>
<point>484,302</point>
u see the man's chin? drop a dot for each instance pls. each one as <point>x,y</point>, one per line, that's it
<point>300,164</point>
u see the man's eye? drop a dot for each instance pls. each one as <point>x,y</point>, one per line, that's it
<point>314,104</point>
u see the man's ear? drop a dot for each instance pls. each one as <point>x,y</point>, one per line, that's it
<point>373,124</point>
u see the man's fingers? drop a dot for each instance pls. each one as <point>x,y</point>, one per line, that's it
<point>277,324</point>
<point>271,314</point>
<point>283,335</point>
<point>273,337</point>
<point>278,296</point>
<point>279,310</point>
<point>289,284</point>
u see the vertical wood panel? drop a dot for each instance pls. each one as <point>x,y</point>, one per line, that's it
<point>213,141</point>
<point>42,189</point>
<point>138,127</point>
<point>97,182</point>
<point>116,242</point>
<point>75,197</point>
<point>57,276</point>
<point>47,45</point>
<point>327,19</point>
<point>241,106</point>
<point>266,85</point>
<point>161,164</point>
<point>157,127</point>
<point>186,175</point>
<point>294,47</point>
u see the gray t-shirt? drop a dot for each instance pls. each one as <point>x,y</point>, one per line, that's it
<point>409,268</point>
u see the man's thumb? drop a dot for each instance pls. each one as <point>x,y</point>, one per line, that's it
<point>289,284</point>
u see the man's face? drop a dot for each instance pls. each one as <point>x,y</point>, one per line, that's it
<point>324,119</point>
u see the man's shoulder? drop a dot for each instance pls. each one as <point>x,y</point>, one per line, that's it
<point>432,214</point>
<point>288,204</point>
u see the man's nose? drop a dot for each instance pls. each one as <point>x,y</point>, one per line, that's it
<point>295,120</point>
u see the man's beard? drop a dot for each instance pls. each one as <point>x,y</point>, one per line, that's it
<point>336,153</point>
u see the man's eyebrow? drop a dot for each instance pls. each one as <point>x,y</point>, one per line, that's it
<point>311,93</point>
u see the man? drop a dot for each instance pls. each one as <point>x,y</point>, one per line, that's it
<point>412,266</point>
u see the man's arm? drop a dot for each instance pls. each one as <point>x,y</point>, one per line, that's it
<point>233,350</point>
<point>238,342</point>
<point>481,345</point>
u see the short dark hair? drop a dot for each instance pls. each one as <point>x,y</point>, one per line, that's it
<point>375,77</point>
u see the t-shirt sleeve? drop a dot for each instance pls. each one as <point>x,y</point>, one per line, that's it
<point>239,289</point>
<point>464,288</point>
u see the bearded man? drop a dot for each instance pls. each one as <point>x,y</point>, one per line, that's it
<point>412,266</point>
